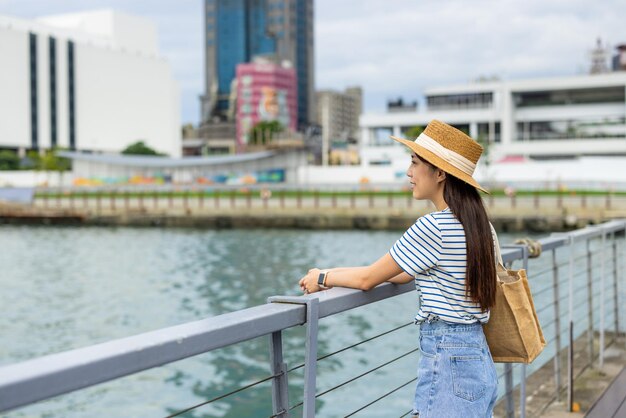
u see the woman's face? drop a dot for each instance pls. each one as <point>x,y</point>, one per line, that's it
<point>424,179</point>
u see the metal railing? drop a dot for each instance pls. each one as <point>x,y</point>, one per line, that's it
<point>557,284</point>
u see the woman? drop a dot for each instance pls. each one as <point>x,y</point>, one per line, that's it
<point>450,255</point>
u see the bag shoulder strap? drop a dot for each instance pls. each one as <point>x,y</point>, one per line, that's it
<point>499,262</point>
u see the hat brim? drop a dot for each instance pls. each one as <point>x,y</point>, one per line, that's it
<point>439,162</point>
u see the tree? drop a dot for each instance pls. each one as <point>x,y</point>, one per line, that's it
<point>32,161</point>
<point>263,132</point>
<point>9,160</point>
<point>139,148</point>
<point>50,161</point>
<point>413,132</point>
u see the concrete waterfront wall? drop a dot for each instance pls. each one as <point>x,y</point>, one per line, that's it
<point>377,211</point>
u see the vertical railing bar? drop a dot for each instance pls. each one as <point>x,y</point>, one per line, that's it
<point>602,301</point>
<point>310,359</point>
<point>570,357</point>
<point>522,392</point>
<point>590,335</point>
<point>615,284</point>
<point>557,316</point>
<point>508,388</point>
<point>280,392</point>
<point>623,270</point>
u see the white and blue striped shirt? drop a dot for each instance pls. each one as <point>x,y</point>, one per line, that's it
<point>433,250</point>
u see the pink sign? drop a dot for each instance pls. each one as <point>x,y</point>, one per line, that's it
<point>265,92</point>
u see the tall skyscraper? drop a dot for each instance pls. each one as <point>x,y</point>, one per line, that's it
<point>238,30</point>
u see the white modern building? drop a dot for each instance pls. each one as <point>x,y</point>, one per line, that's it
<point>534,118</point>
<point>89,81</point>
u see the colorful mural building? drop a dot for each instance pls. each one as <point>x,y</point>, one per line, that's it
<point>265,92</point>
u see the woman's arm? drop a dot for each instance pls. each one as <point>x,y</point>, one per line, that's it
<point>364,278</point>
<point>402,278</point>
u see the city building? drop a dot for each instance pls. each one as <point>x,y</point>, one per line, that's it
<point>90,81</point>
<point>338,115</point>
<point>266,92</point>
<point>535,118</point>
<point>619,59</point>
<point>236,31</point>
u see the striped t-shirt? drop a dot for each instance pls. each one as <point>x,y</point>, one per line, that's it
<point>433,251</point>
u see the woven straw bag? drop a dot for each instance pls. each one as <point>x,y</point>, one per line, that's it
<point>513,332</point>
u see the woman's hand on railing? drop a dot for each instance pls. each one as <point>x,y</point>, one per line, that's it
<point>308,283</point>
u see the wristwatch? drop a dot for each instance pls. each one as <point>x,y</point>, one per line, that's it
<point>321,279</point>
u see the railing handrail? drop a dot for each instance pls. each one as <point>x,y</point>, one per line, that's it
<point>44,377</point>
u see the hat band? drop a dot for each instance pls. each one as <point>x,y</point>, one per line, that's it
<point>450,156</point>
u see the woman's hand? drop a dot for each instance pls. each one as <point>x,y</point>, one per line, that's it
<point>308,283</point>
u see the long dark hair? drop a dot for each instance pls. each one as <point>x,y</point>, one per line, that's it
<point>466,204</point>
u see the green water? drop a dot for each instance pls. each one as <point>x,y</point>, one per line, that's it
<point>65,288</point>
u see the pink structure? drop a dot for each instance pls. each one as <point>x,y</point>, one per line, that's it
<point>265,92</point>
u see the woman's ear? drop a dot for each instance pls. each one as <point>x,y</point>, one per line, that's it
<point>441,175</point>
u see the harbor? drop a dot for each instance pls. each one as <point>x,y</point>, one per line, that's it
<point>215,316</point>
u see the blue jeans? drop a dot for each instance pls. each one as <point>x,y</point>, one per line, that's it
<point>456,376</point>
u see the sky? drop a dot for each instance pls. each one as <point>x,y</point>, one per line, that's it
<point>393,48</point>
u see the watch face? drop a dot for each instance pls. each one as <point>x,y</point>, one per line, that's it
<point>320,279</point>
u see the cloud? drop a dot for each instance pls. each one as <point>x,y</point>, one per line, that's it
<point>401,47</point>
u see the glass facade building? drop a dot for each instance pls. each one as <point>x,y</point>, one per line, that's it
<point>237,31</point>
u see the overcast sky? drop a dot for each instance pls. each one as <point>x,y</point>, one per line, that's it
<point>394,47</point>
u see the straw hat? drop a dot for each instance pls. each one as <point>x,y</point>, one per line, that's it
<point>449,149</point>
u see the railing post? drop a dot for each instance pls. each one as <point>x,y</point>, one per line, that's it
<point>557,324</point>
<point>509,380</point>
<point>615,286</point>
<point>310,356</point>
<point>623,270</point>
<point>522,390</point>
<point>508,389</point>
<point>602,302</point>
<point>570,319</point>
<point>590,335</point>
<point>280,392</point>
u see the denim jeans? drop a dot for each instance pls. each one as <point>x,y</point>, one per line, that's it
<point>456,374</point>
